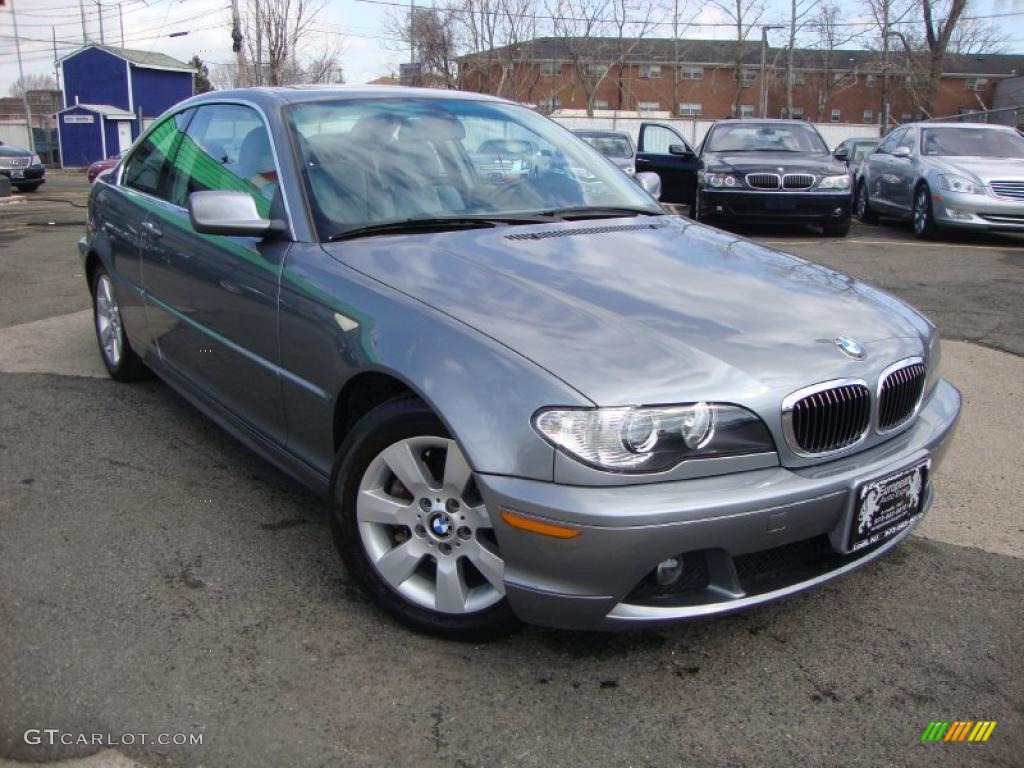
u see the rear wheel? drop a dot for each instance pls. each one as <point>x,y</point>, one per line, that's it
<point>412,529</point>
<point>695,213</point>
<point>923,220</point>
<point>29,187</point>
<point>862,205</point>
<point>118,356</point>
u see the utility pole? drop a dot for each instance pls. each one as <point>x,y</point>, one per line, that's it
<point>241,80</point>
<point>99,7</point>
<point>120,18</point>
<point>81,9</point>
<point>24,89</point>
<point>763,106</point>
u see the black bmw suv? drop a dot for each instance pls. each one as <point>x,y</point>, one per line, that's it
<point>772,170</point>
<point>22,167</point>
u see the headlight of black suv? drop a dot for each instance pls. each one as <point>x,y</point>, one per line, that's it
<point>721,180</point>
<point>653,439</point>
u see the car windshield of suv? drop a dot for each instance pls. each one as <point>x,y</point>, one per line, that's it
<point>971,142</point>
<point>779,137</point>
<point>609,146</point>
<point>369,162</point>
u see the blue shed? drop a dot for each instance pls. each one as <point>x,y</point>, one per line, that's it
<point>110,95</point>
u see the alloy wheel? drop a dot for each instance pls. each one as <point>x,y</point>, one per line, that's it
<point>425,528</point>
<point>108,322</point>
<point>921,211</point>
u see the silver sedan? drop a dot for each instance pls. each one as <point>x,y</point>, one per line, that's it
<point>946,175</point>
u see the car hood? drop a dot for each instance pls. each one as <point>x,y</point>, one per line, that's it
<point>6,151</point>
<point>648,310</point>
<point>983,168</point>
<point>773,162</point>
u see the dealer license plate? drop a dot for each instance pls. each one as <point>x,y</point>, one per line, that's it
<point>887,506</point>
<point>17,174</point>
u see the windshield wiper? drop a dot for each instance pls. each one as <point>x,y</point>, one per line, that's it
<point>598,212</point>
<point>434,224</point>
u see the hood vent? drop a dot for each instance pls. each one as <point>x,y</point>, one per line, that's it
<point>546,233</point>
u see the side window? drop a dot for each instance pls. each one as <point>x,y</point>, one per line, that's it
<point>891,142</point>
<point>226,147</point>
<point>148,166</point>
<point>656,139</point>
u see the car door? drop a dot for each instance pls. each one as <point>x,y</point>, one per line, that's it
<point>881,180</point>
<point>217,297</point>
<point>903,170</point>
<point>678,171</point>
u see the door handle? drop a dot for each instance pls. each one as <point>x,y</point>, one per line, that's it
<point>643,160</point>
<point>152,228</point>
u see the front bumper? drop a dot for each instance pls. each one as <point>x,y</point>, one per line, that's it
<point>729,525</point>
<point>808,207</point>
<point>983,212</point>
<point>32,175</point>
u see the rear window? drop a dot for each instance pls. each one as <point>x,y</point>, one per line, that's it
<point>610,146</point>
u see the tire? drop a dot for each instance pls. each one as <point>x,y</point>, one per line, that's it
<point>842,229</point>
<point>29,187</point>
<point>862,204</point>
<point>695,207</point>
<point>116,351</point>
<point>428,562</point>
<point>922,220</point>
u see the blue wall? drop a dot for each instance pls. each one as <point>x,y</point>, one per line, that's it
<point>81,142</point>
<point>110,128</point>
<point>157,90</point>
<point>96,77</point>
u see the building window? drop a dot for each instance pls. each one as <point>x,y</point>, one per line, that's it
<point>799,78</point>
<point>690,109</point>
<point>906,117</point>
<point>691,73</point>
<point>550,68</point>
<point>650,71</point>
<point>868,116</point>
<point>600,103</point>
<point>747,76</point>
<point>976,83</point>
<point>746,110</point>
<point>870,80</point>
<point>550,105</point>
<point>648,106</point>
<point>836,115</point>
<point>796,113</point>
<point>596,71</point>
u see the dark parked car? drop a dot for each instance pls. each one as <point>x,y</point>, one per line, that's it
<point>772,170</point>
<point>545,400</point>
<point>22,167</point>
<point>663,151</point>
<point>95,169</point>
<point>617,146</point>
<point>852,152</point>
<point>504,160</point>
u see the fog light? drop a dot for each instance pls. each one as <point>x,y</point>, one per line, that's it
<point>956,213</point>
<point>837,212</point>
<point>669,571</point>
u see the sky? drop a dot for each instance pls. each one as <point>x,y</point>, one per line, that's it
<point>369,50</point>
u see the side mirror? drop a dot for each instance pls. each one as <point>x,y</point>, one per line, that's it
<point>901,152</point>
<point>227,212</point>
<point>841,154</point>
<point>650,182</point>
<point>679,149</point>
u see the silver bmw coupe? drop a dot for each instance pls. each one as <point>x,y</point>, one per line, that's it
<point>533,399</point>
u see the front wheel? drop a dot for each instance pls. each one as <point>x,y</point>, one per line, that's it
<point>695,207</point>
<point>863,205</point>
<point>118,356</point>
<point>923,220</point>
<point>412,528</point>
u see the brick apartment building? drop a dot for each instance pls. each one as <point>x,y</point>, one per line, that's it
<point>843,86</point>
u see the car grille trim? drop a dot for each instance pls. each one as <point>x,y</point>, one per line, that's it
<point>1014,190</point>
<point>546,233</point>
<point>798,180</point>
<point>828,417</point>
<point>14,162</point>
<point>900,387</point>
<point>763,180</point>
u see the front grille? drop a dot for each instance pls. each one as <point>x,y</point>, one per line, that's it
<point>1011,189</point>
<point>763,180</point>
<point>829,419</point>
<point>898,396</point>
<point>798,181</point>
<point>1003,218</point>
<point>14,162</point>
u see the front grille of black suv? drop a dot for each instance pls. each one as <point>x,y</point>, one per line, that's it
<point>899,395</point>
<point>828,419</point>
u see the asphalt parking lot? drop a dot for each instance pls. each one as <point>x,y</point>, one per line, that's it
<point>156,577</point>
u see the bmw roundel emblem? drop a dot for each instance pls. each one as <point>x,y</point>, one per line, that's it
<point>849,347</point>
<point>441,525</point>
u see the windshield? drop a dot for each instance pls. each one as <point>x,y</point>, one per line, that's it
<point>374,161</point>
<point>763,137</point>
<point>862,150</point>
<point>609,146</point>
<point>971,142</point>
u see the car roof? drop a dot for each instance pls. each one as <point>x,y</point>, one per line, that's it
<point>297,94</point>
<point>600,132</point>
<point>957,124</point>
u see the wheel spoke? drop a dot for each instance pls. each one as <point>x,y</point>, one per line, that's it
<point>477,517</point>
<point>398,564</point>
<point>375,506</point>
<point>491,566</point>
<point>456,469</point>
<point>451,591</point>
<point>407,468</point>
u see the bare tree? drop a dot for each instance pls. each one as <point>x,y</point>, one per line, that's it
<point>579,24</point>
<point>799,10</point>
<point>33,82</point>
<point>276,31</point>
<point>743,15</point>
<point>834,75</point>
<point>885,17</point>
<point>940,20</point>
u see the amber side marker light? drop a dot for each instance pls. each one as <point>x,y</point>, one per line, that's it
<point>538,526</point>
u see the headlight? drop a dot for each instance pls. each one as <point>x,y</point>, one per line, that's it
<point>952,183</point>
<point>653,439</point>
<point>932,364</point>
<point>721,180</point>
<point>35,160</point>
<point>835,182</point>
